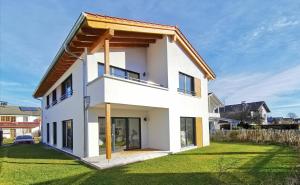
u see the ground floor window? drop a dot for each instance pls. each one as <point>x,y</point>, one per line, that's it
<point>187,131</point>
<point>54,133</point>
<point>48,133</point>
<point>126,134</point>
<point>67,134</point>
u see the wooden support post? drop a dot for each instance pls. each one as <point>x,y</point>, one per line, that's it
<point>199,132</point>
<point>106,56</point>
<point>108,130</point>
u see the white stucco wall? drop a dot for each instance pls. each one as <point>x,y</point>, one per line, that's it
<point>162,63</point>
<point>70,108</point>
<point>133,59</point>
<point>157,66</point>
<point>185,105</point>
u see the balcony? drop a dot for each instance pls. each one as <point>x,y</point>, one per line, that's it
<point>122,90</point>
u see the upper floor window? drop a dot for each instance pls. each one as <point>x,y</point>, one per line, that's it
<point>25,118</point>
<point>123,73</point>
<point>47,102</point>
<point>186,84</point>
<point>66,88</point>
<point>54,97</point>
<point>100,69</point>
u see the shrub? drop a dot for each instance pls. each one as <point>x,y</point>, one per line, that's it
<point>286,137</point>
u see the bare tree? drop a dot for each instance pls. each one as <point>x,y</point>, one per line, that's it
<point>291,115</point>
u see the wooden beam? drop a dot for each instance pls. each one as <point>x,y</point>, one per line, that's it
<point>124,34</point>
<point>79,44</point>
<point>108,130</point>
<point>82,37</point>
<point>130,27</point>
<point>100,41</point>
<point>106,57</point>
<point>132,40</point>
<point>121,45</point>
<point>92,31</point>
<point>75,49</point>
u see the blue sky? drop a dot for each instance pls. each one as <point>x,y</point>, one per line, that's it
<point>253,46</point>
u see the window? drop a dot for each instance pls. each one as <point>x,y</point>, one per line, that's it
<point>115,71</point>
<point>123,73</point>
<point>8,118</point>
<point>186,84</point>
<point>67,134</point>
<point>100,69</point>
<point>48,102</point>
<point>54,98</point>
<point>66,88</point>
<point>187,131</point>
<point>54,133</point>
<point>25,118</point>
<point>48,133</point>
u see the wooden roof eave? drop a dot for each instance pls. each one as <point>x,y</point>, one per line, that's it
<point>70,36</point>
<point>94,23</point>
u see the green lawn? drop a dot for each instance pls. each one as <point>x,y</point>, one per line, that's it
<point>220,163</point>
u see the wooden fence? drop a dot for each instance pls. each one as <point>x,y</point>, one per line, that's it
<point>286,137</point>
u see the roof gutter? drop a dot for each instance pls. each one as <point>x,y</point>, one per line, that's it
<point>71,34</point>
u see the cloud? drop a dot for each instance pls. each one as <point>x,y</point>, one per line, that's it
<point>257,86</point>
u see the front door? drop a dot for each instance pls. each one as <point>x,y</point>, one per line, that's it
<point>125,134</point>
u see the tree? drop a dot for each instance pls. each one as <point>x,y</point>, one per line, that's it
<point>291,115</point>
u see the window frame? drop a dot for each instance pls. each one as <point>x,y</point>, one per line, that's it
<point>185,91</point>
<point>54,98</point>
<point>64,93</point>
<point>100,64</point>
<point>47,101</point>
<point>126,71</point>
<point>186,136</point>
<point>48,133</point>
<point>54,127</point>
<point>65,143</point>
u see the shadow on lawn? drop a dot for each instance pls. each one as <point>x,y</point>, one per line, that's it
<point>120,176</point>
<point>32,151</point>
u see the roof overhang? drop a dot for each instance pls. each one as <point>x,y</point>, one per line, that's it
<point>90,31</point>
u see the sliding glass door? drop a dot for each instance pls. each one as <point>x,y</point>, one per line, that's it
<point>134,133</point>
<point>187,131</point>
<point>126,134</point>
<point>118,134</point>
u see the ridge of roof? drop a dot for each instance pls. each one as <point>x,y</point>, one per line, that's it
<point>126,19</point>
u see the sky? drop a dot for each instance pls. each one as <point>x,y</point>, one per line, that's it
<point>253,46</point>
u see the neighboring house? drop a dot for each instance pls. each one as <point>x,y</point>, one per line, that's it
<point>214,103</point>
<point>138,85</point>
<point>297,120</point>
<point>251,113</point>
<point>17,120</point>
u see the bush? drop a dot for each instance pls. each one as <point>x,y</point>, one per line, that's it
<point>286,137</point>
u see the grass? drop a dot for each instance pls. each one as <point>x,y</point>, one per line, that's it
<point>220,163</point>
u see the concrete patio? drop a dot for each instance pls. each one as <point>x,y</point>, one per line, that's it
<point>123,158</point>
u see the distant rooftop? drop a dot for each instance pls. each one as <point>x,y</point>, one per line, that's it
<point>20,110</point>
<point>253,106</point>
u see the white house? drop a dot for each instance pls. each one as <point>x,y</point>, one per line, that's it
<point>118,84</point>
<point>214,104</point>
<point>18,120</point>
